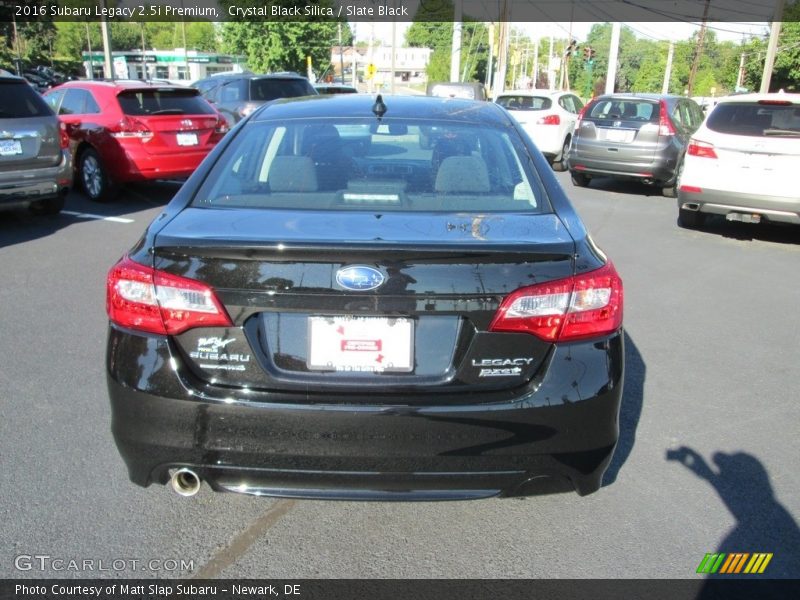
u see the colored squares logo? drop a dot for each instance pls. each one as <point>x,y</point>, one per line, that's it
<point>734,563</point>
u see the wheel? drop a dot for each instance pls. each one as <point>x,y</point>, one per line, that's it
<point>561,165</point>
<point>671,191</point>
<point>93,177</point>
<point>691,219</point>
<point>579,179</point>
<point>50,206</point>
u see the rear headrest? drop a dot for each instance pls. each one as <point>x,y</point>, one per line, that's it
<point>292,174</point>
<point>467,174</point>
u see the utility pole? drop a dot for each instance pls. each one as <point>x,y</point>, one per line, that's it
<point>536,63</point>
<point>455,56</point>
<point>341,52</point>
<point>740,77</point>
<point>668,72</point>
<point>489,81</point>
<point>90,74</point>
<point>502,58</point>
<point>394,55</point>
<point>699,53</point>
<point>772,48</point>
<point>354,56</point>
<point>613,57</point>
<point>550,71</point>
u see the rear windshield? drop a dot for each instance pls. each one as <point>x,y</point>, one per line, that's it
<point>525,102</point>
<point>448,90</point>
<point>754,119</point>
<point>358,164</point>
<point>164,102</point>
<point>625,109</point>
<point>272,89</point>
<point>19,100</point>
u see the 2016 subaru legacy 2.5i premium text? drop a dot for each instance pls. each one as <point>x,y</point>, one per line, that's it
<point>327,316</point>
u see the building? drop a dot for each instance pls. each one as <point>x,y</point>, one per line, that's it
<point>177,65</point>
<point>409,63</point>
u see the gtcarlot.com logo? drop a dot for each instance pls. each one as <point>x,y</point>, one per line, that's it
<point>45,562</point>
<point>734,563</point>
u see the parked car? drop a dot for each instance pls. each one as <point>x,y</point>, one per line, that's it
<point>35,162</point>
<point>305,321</point>
<point>740,163</point>
<point>237,95</point>
<point>548,118</point>
<point>466,91</point>
<point>633,136</point>
<point>334,88</point>
<point>122,132</point>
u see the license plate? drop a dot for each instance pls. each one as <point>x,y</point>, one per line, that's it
<point>618,135</point>
<point>187,139</point>
<point>361,344</point>
<point>10,147</point>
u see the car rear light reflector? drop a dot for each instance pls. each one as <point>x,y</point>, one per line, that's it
<point>701,149</point>
<point>579,307</point>
<point>693,189</point>
<point>579,167</point>
<point>63,135</point>
<point>142,298</point>
<point>131,128</point>
<point>665,126</point>
<point>549,120</point>
<point>776,102</point>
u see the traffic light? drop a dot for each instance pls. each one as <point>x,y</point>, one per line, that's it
<point>591,53</point>
<point>587,52</point>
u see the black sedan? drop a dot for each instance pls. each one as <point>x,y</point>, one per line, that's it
<point>328,309</point>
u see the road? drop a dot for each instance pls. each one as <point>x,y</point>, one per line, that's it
<point>712,365</point>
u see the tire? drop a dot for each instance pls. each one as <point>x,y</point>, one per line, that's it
<point>671,191</point>
<point>691,219</point>
<point>51,206</point>
<point>579,179</point>
<point>94,178</point>
<point>561,165</point>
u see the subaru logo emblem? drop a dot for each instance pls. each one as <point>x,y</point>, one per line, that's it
<point>186,123</point>
<point>359,278</point>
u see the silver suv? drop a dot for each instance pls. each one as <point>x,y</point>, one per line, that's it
<point>35,161</point>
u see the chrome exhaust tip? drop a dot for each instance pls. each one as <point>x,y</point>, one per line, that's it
<point>185,482</point>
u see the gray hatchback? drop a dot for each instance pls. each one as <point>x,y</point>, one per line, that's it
<point>633,136</point>
<point>35,161</point>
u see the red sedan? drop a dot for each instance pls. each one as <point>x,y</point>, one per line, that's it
<point>126,131</point>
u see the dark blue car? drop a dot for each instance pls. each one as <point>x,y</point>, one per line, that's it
<point>331,309</point>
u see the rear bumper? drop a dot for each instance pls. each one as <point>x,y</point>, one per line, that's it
<point>661,170</point>
<point>559,434</point>
<point>19,188</point>
<point>138,165</point>
<point>779,209</point>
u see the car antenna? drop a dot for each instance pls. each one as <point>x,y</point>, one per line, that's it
<point>379,108</point>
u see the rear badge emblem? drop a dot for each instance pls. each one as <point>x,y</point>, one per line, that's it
<point>359,278</point>
<point>617,123</point>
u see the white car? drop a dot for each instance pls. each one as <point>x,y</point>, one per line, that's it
<point>547,117</point>
<point>741,162</point>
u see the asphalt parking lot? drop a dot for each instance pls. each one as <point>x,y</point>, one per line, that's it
<point>707,459</point>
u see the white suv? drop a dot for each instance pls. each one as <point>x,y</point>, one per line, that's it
<point>548,118</point>
<point>742,162</point>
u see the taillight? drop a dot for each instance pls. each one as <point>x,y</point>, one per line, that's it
<point>581,113</point>
<point>220,129</point>
<point>700,149</point>
<point>549,120</point>
<point>142,298</point>
<point>665,126</point>
<point>63,135</point>
<point>579,307</point>
<point>131,128</point>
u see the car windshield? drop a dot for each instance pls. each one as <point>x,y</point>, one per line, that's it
<point>525,102</point>
<point>273,88</point>
<point>163,102</point>
<point>18,100</point>
<point>625,109</point>
<point>359,164</point>
<point>756,119</point>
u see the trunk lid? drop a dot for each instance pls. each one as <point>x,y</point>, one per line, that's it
<point>29,131</point>
<point>620,130</point>
<point>304,323</point>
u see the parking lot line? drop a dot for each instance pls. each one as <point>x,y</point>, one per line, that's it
<point>98,217</point>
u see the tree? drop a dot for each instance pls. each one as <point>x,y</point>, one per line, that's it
<point>282,45</point>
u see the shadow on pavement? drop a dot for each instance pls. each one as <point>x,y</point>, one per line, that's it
<point>764,232</point>
<point>627,186</point>
<point>763,525</point>
<point>631,409</point>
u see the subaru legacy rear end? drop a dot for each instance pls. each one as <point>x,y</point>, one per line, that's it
<point>313,319</point>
